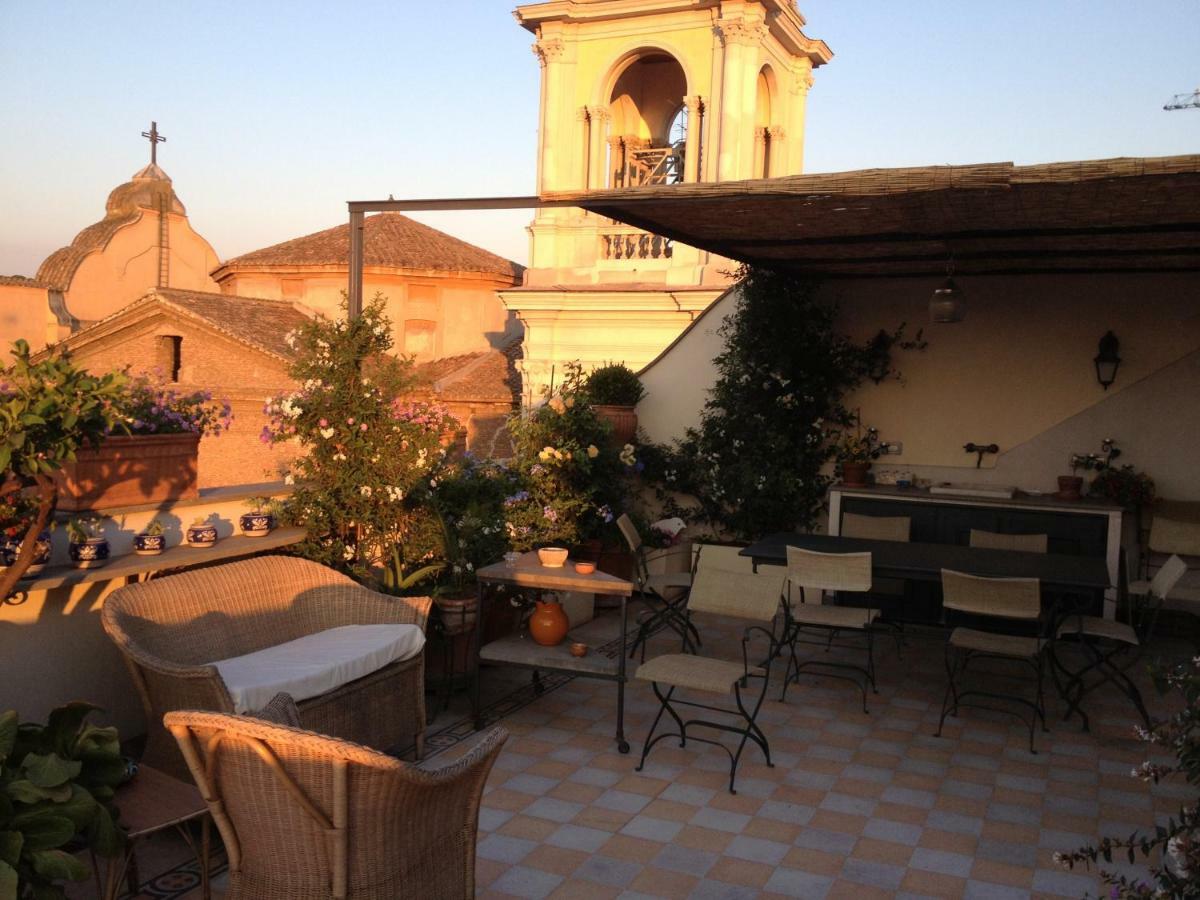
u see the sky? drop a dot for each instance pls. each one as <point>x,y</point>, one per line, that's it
<point>277,113</point>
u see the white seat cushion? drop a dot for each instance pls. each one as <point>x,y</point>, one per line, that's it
<point>316,663</point>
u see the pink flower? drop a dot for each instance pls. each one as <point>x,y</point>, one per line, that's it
<point>350,421</point>
<point>362,427</point>
<point>324,423</point>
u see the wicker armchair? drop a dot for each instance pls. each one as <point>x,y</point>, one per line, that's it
<point>170,631</point>
<point>308,816</point>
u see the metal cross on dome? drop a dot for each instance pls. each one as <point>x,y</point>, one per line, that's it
<point>155,139</point>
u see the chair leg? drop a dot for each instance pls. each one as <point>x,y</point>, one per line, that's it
<point>948,707</point>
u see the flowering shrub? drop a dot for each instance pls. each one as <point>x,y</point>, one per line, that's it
<point>470,503</point>
<point>755,463</point>
<point>856,446</point>
<point>149,406</point>
<point>571,478</point>
<point>1178,875</point>
<point>373,457</point>
<point>1124,486</point>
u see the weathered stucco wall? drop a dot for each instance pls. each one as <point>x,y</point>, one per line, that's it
<point>1017,372</point>
<point>25,313</point>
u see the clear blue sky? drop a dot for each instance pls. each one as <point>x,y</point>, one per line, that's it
<point>276,113</point>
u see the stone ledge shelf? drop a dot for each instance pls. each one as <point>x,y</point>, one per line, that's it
<point>131,565</point>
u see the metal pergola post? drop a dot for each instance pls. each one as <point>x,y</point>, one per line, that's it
<point>359,209</point>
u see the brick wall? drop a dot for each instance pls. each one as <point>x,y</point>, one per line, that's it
<point>210,361</point>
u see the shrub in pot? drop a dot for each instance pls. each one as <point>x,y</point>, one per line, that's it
<point>614,391</point>
<point>202,532</point>
<point>87,547</point>
<point>59,781</point>
<point>152,540</point>
<point>260,521</point>
<point>16,514</point>
<point>855,453</point>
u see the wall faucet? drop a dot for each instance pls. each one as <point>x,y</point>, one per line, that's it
<point>981,449</point>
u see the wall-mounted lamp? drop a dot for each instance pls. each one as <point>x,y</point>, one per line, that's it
<point>947,305</point>
<point>1107,359</point>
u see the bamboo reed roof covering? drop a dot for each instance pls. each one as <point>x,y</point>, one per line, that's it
<point>1113,215</point>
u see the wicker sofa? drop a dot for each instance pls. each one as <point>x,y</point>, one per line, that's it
<point>171,630</point>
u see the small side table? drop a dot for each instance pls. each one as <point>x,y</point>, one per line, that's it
<point>152,802</point>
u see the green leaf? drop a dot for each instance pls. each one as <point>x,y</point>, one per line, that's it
<point>80,807</point>
<point>49,769</point>
<point>58,865</point>
<point>27,792</point>
<point>104,835</point>
<point>8,721</point>
<point>10,846</point>
<point>49,892</point>
<point>62,728</point>
<point>8,882</point>
<point>47,831</point>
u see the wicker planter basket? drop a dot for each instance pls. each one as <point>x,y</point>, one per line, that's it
<point>130,470</point>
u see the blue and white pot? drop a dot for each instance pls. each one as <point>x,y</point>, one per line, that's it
<point>11,548</point>
<point>89,554</point>
<point>201,535</point>
<point>149,544</point>
<point>257,524</point>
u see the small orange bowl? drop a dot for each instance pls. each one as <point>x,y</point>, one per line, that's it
<point>578,649</point>
<point>585,568</point>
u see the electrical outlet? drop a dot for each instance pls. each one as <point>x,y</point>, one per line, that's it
<point>893,448</point>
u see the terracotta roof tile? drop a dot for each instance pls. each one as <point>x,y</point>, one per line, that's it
<point>488,375</point>
<point>391,240</point>
<point>21,281</point>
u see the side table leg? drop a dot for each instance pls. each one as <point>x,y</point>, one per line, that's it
<point>205,848</point>
<point>622,744</point>
<point>476,645</point>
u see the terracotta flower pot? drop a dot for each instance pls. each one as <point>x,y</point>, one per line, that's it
<point>623,419</point>
<point>126,470</point>
<point>549,624</point>
<point>854,474</point>
<point>1069,487</point>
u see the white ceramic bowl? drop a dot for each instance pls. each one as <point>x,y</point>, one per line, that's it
<point>552,557</point>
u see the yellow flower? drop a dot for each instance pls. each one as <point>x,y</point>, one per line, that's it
<point>570,401</point>
<point>556,404</point>
<point>592,451</point>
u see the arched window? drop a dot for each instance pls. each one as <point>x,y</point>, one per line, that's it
<point>645,107</point>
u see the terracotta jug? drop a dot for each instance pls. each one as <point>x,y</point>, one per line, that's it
<point>548,625</point>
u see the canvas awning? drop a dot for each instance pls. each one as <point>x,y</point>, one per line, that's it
<point>1117,215</point>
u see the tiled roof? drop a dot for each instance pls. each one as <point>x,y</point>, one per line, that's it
<point>391,241</point>
<point>488,375</point>
<point>261,324</point>
<point>21,281</point>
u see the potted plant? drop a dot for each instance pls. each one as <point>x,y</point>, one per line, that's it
<point>16,513</point>
<point>1070,487</point>
<point>52,410</point>
<point>1124,486</point>
<point>152,540</point>
<point>202,532</point>
<point>260,521</point>
<point>151,454</point>
<point>87,547</point>
<point>855,453</point>
<point>60,781</point>
<point>614,392</point>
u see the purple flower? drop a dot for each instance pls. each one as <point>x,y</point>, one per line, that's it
<point>549,513</point>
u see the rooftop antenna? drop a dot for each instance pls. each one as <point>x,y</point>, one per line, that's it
<point>1185,101</point>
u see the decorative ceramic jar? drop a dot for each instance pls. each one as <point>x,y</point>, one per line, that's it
<point>202,535</point>
<point>149,544</point>
<point>549,624</point>
<point>257,524</point>
<point>854,474</point>
<point>41,554</point>
<point>89,554</point>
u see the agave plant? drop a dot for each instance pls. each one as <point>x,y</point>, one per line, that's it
<point>57,783</point>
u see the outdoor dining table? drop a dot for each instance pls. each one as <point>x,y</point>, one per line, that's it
<point>914,561</point>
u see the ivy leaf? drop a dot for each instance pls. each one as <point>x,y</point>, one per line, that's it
<point>50,770</point>
<point>47,831</point>
<point>58,865</point>
<point>10,846</point>
<point>8,881</point>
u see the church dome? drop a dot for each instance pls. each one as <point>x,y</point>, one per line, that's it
<point>150,188</point>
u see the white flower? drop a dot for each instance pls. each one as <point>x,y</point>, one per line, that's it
<point>365,490</point>
<point>348,554</point>
<point>290,339</point>
<point>470,568</point>
<point>327,433</point>
<point>289,479</point>
<point>433,482</point>
<point>339,457</point>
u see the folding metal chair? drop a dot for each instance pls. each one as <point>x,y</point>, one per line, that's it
<point>814,573</point>
<point>753,598</point>
<point>1016,602</point>
<point>1110,647</point>
<point>668,591</point>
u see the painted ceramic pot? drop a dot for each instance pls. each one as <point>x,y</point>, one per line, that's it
<point>201,535</point>
<point>12,547</point>
<point>549,624</point>
<point>257,524</point>
<point>149,544</point>
<point>89,554</point>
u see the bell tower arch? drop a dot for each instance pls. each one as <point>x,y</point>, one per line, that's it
<point>648,93</point>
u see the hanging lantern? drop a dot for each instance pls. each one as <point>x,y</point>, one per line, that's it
<point>1107,359</point>
<point>947,305</point>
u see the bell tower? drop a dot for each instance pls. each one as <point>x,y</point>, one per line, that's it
<point>638,93</point>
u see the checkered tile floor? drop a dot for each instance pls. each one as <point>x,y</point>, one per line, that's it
<point>856,805</point>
